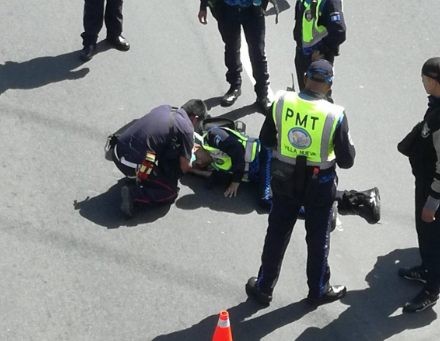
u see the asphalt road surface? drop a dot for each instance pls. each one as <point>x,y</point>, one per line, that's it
<point>71,266</point>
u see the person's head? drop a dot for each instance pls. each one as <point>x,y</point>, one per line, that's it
<point>196,110</point>
<point>431,76</point>
<point>203,159</point>
<point>319,76</point>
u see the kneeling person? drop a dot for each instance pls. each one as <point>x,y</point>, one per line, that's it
<point>156,151</point>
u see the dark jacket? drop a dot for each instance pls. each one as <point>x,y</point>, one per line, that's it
<point>422,146</point>
<point>332,18</point>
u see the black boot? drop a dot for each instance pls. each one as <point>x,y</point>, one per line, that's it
<point>253,292</point>
<point>365,204</point>
<point>87,52</point>
<point>231,96</point>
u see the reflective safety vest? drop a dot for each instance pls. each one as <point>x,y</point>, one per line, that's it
<point>305,127</point>
<point>222,161</point>
<point>312,34</point>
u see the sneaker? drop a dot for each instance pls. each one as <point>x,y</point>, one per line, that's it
<point>416,273</point>
<point>231,96</point>
<point>127,205</point>
<point>253,292</point>
<point>334,293</point>
<point>423,300</point>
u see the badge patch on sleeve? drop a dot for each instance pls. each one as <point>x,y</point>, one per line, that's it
<point>335,16</point>
<point>217,140</point>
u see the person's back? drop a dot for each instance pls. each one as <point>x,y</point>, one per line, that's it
<point>151,134</point>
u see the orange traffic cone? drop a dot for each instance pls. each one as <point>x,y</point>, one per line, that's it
<point>223,330</point>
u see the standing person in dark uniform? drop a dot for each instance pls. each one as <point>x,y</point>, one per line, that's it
<point>156,151</point>
<point>422,146</point>
<point>311,137</point>
<point>231,16</point>
<point>319,31</point>
<point>93,20</point>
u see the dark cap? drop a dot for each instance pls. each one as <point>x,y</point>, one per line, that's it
<point>321,71</point>
<point>196,107</point>
<point>431,68</point>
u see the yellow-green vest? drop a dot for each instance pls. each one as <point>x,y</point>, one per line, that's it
<point>305,127</point>
<point>222,161</point>
<point>312,33</point>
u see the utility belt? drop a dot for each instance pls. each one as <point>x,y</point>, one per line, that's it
<point>299,180</point>
<point>218,8</point>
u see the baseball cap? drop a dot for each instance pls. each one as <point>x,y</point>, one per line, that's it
<point>431,68</point>
<point>321,71</point>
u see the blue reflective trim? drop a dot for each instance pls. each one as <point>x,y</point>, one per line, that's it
<point>335,17</point>
<point>326,178</point>
<point>267,177</point>
<point>324,264</point>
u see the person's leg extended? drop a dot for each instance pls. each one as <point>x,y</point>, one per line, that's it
<point>282,219</point>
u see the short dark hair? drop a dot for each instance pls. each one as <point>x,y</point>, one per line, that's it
<point>196,107</point>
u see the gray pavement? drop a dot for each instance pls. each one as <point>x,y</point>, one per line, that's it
<point>72,268</point>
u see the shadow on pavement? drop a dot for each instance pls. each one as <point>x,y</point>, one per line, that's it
<point>374,314</point>
<point>236,114</point>
<point>254,329</point>
<point>42,71</point>
<point>213,102</point>
<point>245,202</point>
<point>104,209</point>
<point>370,316</point>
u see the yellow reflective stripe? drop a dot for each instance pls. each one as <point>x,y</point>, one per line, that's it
<point>312,34</point>
<point>324,115</point>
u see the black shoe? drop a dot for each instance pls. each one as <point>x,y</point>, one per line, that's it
<point>370,205</point>
<point>423,300</point>
<point>334,293</point>
<point>253,292</point>
<point>127,205</point>
<point>231,96</point>
<point>119,43</point>
<point>416,273</point>
<point>264,104</point>
<point>87,52</point>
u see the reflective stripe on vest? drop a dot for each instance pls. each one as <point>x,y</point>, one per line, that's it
<point>312,34</point>
<point>305,127</point>
<point>222,161</point>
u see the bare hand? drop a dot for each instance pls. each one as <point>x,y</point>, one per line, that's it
<point>428,215</point>
<point>232,190</point>
<point>202,17</point>
<point>317,55</point>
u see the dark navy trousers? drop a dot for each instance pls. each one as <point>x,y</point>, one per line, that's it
<point>428,236</point>
<point>160,188</point>
<point>282,219</point>
<point>229,25</point>
<point>94,16</point>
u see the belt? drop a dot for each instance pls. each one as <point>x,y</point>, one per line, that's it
<point>123,161</point>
